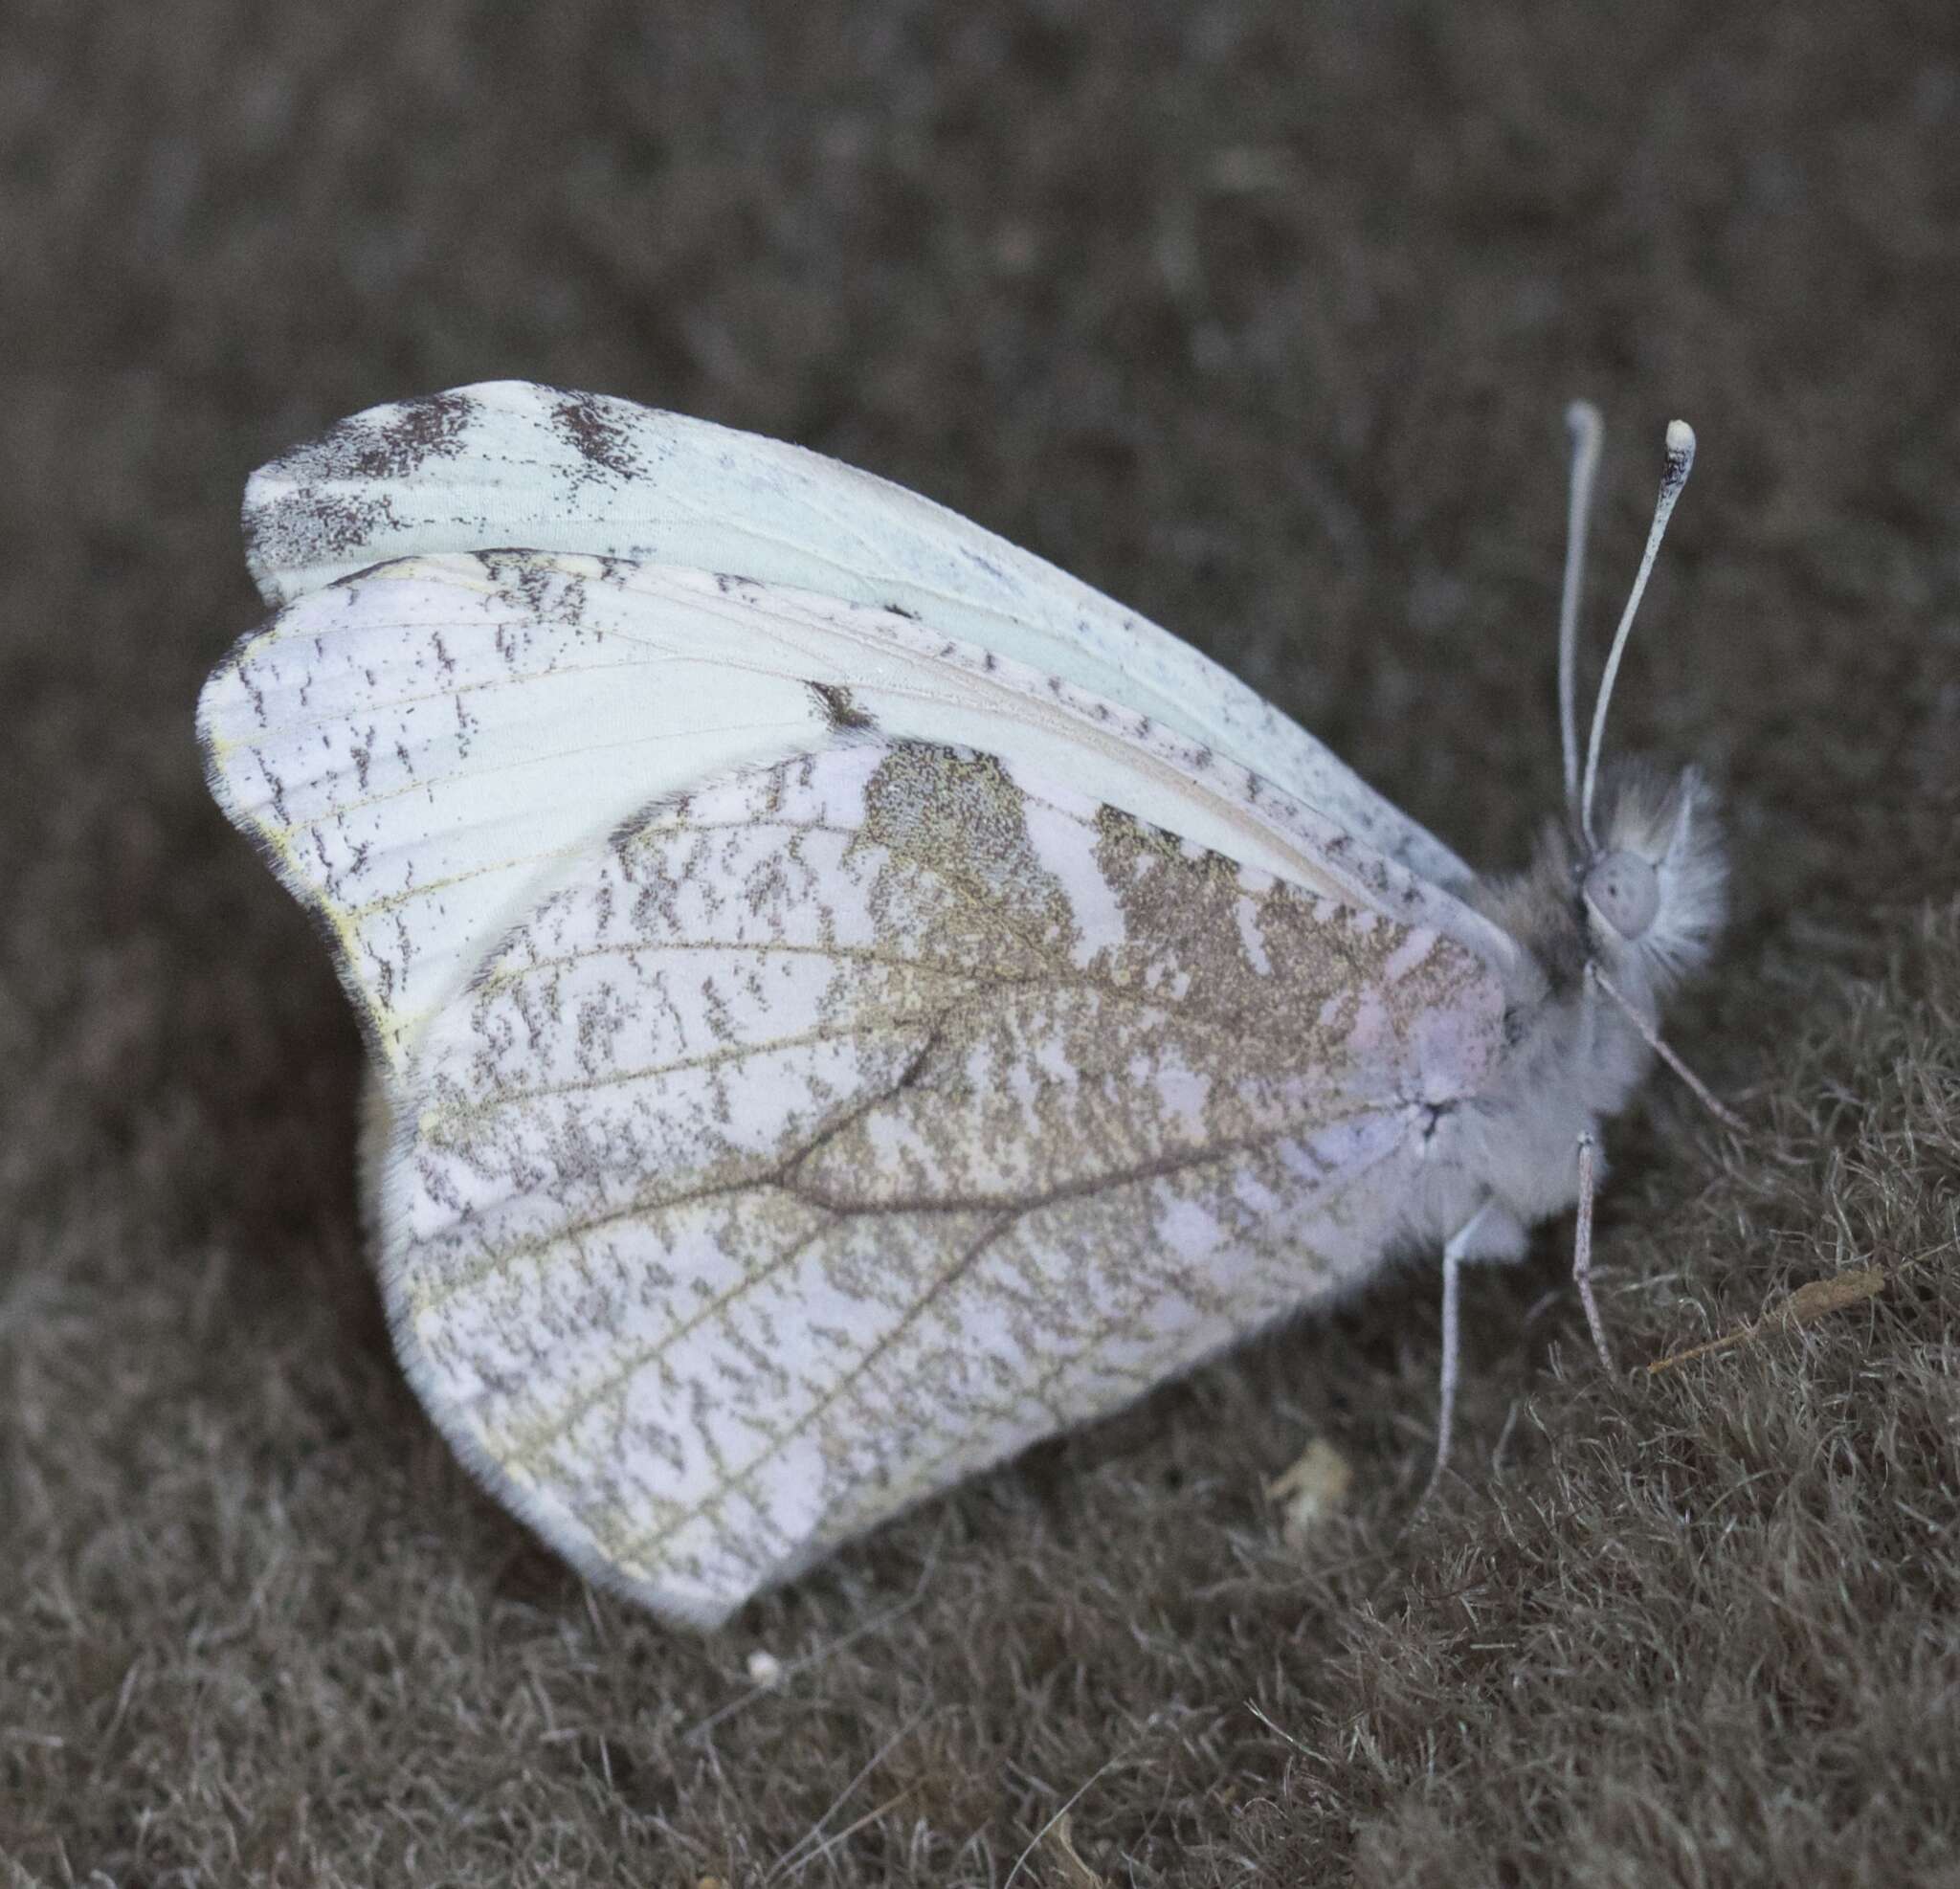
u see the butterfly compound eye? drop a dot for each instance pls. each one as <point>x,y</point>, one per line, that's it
<point>1625,890</point>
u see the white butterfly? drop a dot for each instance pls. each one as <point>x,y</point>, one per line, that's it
<point>848,1000</point>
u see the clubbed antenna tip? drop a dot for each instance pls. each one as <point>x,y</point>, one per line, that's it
<point>1681,459</point>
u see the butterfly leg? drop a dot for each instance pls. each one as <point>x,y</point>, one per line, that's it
<point>1582,1249</point>
<point>1492,1232</point>
<point>1650,1036</point>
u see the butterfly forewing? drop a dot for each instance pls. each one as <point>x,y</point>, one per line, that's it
<point>512,464</point>
<point>839,1128</point>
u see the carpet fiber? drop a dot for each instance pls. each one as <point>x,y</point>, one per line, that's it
<point>1262,317</point>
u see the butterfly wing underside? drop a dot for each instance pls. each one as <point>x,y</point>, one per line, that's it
<point>811,1073</point>
<point>843,1126</point>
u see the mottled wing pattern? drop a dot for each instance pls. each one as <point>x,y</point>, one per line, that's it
<point>509,463</point>
<point>840,1129</point>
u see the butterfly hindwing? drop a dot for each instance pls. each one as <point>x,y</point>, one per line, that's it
<point>844,1125</point>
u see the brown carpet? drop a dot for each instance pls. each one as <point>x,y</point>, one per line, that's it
<point>1262,317</point>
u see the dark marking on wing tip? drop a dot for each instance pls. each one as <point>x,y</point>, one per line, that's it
<point>899,610</point>
<point>312,525</point>
<point>729,580</point>
<point>595,434</point>
<point>839,710</point>
<point>392,442</point>
<point>315,505</point>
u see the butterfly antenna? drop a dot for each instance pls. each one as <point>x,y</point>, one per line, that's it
<point>1681,459</point>
<point>1588,430</point>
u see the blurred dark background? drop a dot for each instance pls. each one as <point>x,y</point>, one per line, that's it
<point>1263,318</point>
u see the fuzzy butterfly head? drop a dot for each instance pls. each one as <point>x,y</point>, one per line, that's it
<point>1633,916</point>
<point>1645,903</point>
<point>1650,896</point>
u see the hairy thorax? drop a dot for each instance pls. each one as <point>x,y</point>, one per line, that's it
<point>1574,1055</point>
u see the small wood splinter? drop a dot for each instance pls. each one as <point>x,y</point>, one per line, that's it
<point>1804,1306</point>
